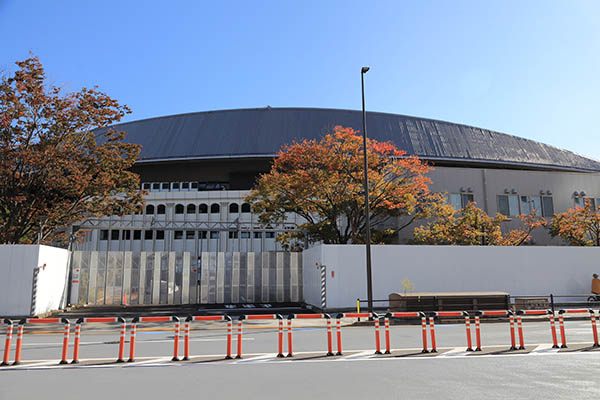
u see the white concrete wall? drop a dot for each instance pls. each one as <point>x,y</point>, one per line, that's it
<point>17,265</point>
<point>311,275</point>
<point>531,270</point>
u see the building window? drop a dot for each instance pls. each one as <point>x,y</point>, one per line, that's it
<point>190,234</point>
<point>202,234</point>
<point>185,185</point>
<point>161,209</point>
<point>178,235</point>
<point>148,235</point>
<point>547,206</point>
<point>458,201</point>
<point>191,209</point>
<point>245,235</point>
<point>114,235</point>
<point>194,185</point>
<point>234,208</point>
<point>175,186</point>
<point>245,208</point>
<point>137,235</point>
<point>126,235</point>
<point>202,209</point>
<point>156,186</point>
<point>179,209</point>
<point>215,208</point>
<point>146,186</point>
<point>214,234</point>
<point>160,235</point>
<point>233,235</point>
<point>257,235</point>
<point>270,235</point>
<point>104,234</point>
<point>149,209</point>
<point>165,186</point>
<point>508,205</point>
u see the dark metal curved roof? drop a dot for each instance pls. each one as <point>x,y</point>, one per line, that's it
<point>261,132</point>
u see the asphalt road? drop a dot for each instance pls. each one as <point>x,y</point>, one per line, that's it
<point>538,372</point>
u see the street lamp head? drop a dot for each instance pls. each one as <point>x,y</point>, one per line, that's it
<point>364,70</point>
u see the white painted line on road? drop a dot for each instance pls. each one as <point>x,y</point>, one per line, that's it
<point>455,352</point>
<point>152,361</point>
<point>544,349</point>
<point>257,359</point>
<point>361,355</point>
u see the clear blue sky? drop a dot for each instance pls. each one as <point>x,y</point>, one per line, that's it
<point>529,68</point>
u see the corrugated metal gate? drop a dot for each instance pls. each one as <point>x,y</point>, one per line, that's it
<point>122,277</point>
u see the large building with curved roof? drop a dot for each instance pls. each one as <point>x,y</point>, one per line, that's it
<point>197,168</point>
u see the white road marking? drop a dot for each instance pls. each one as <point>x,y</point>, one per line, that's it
<point>456,351</point>
<point>257,359</point>
<point>544,349</point>
<point>361,355</point>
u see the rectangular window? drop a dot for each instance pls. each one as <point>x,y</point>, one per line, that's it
<point>178,235</point>
<point>104,234</point>
<point>148,235</point>
<point>245,235</point>
<point>257,235</point>
<point>548,206</point>
<point>270,235</point>
<point>536,203</point>
<point>503,206</point>
<point>513,204</point>
<point>156,186</point>
<point>137,235</point>
<point>454,200</point>
<point>126,235</point>
<point>214,234</point>
<point>165,185</point>
<point>175,185</point>
<point>146,186</point>
<point>160,235</point>
<point>114,235</point>
<point>233,235</point>
<point>465,199</point>
<point>190,234</point>
<point>202,234</point>
<point>185,185</point>
<point>524,201</point>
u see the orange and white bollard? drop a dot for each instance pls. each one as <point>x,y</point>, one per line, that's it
<point>19,342</point>
<point>9,331</point>
<point>561,326</point>
<point>520,330</point>
<point>477,333</point>
<point>511,319</point>
<point>176,339</point>
<point>65,348</point>
<point>338,328</point>
<point>186,339</point>
<point>122,333</point>
<point>432,333</point>
<point>280,336</point>
<point>468,330</point>
<point>329,337</point>
<point>132,334</point>
<point>553,329</point>
<point>76,342</point>
<point>424,332</point>
<point>377,339</point>
<point>386,322</point>
<point>239,337</point>
<point>229,336</point>
<point>289,336</point>
<point>594,328</point>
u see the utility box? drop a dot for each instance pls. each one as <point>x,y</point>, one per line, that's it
<point>32,279</point>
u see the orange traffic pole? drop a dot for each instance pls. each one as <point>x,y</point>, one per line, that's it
<point>432,332</point>
<point>561,325</point>
<point>513,344</point>
<point>424,332</point>
<point>377,339</point>
<point>338,326</point>
<point>132,340</point>
<point>329,338</point>
<point>65,347</point>
<point>186,339</point>
<point>553,329</point>
<point>229,337</point>
<point>594,328</point>
<point>19,343</point>
<point>9,331</point>
<point>386,322</point>
<point>239,338</point>
<point>122,333</point>
<point>289,337</point>
<point>468,330</point>
<point>520,330</point>
<point>176,340</point>
<point>76,343</point>
<point>280,336</point>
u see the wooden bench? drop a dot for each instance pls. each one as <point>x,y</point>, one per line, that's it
<point>449,301</point>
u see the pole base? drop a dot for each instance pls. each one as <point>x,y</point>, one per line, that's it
<point>424,351</point>
<point>63,362</point>
<point>555,346</point>
<point>521,347</point>
<point>433,351</point>
<point>563,346</point>
<point>512,348</point>
<point>3,364</point>
<point>478,349</point>
<point>238,357</point>
<point>120,360</point>
<point>185,359</point>
<point>228,358</point>
<point>469,349</point>
<point>339,353</point>
<point>280,355</point>
<point>75,362</point>
<point>329,354</point>
<point>377,352</point>
<point>387,352</point>
<point>290,355</point>
<point>131,360</point>
<point>17,363</point>
<point>175,359</point>
<point>596,345</point>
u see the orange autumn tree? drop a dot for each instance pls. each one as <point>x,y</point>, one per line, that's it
<point>471,226</point>
<point>322,182</point>
<point>54,171</point>
<point>579,226</point>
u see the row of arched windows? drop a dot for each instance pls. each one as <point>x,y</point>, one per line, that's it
<point>215,208</point>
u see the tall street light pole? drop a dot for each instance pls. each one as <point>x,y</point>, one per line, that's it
<point>363,71</point>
